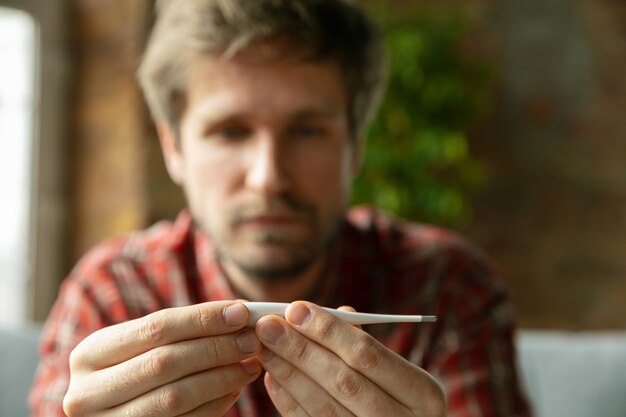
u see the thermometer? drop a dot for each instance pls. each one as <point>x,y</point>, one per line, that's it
<point>259,309</point>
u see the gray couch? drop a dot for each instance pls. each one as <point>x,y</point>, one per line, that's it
<point>564,374</point>
<point>18,359</point>
<point>574,374</point>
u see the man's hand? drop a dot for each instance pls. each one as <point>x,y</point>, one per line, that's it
<point>318,365</point>
<point>182,361</point>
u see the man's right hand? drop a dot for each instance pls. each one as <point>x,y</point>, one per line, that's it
<point>181,361</point>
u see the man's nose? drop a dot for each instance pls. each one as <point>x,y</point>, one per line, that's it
<point>266,172</point>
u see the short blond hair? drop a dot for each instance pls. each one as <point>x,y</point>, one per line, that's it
<point>329,29</point>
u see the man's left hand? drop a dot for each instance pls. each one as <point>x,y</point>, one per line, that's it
<point>319,365</point>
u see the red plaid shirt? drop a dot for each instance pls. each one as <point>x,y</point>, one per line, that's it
<point>379,265</point>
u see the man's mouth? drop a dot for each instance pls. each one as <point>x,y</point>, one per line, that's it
<point>273,214</point>
<point>270,220</point>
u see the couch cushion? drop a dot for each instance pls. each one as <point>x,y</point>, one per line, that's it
<point>18,360</point>
<point>570,374</point>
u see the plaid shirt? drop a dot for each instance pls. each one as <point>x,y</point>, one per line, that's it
<point>380,264</point>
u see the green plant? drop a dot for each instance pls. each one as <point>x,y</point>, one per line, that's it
<point>417,162</point>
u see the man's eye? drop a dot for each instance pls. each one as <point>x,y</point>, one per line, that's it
<point>233,133</point>
<point>308,131</point>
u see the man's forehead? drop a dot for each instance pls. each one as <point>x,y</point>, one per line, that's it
<point>238,78</point>
<point>223,105</point>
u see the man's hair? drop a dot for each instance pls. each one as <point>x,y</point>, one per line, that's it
<point>325,29</point>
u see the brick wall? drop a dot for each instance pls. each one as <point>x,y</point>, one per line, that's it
<point>554,215</point>
<point>108,121</point>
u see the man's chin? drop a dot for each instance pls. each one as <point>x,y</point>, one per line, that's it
<point>274,255</point>
<point>272,263</point>
<point>274,271</point>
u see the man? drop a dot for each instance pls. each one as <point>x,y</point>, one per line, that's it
<point>260,108</point>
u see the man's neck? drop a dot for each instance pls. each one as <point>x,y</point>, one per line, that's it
<point>285,290</point>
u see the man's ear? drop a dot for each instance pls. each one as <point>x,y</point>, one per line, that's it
<point>172,154</point>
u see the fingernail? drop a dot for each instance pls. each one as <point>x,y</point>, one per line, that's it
<point>248,342</point>
<point>270,331</point>
<point>251,367</point>
<point>266,355</point>
<point>236,314</point>
<point>298,314</point>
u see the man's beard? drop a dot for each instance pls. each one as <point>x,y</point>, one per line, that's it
<point>301,256</point>
<point>300,261</point>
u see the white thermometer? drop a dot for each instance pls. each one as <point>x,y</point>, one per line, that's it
<point>258,310</point>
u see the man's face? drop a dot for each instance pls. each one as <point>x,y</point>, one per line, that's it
<point>265,159</point>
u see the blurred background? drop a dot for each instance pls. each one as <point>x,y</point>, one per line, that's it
<point>504,120</point>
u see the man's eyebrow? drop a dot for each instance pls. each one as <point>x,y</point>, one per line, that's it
<point>317,113</point>
<point>227,117</point>
<point>221,116</point>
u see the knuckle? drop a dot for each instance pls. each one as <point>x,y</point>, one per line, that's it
<point>76,357</point>
<point>157,363</point>
<point>326,327</point>
<point>286,373</point>
<point>347,384</point>
<point>367,354</point>
<point>69,405</point>
<point>171,400</point>
<point>286,404</point>
<point>214,350</point>
<point>329,410</point>
<point>73,403</point>
<point>205,318</point>
<point>152,329</point>
<point>226,376</point>
<point>80,355</point>
<point>291,407</point>
<point>301,351</point>
<point>380,408</point>
<point>230,377</point>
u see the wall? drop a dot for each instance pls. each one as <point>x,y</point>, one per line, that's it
<point>109,128</point>
<point>554,213</point>
<point>119,182</point>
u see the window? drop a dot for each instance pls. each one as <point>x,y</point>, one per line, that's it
<point>18,52</point>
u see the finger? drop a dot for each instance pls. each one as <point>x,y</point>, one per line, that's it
<point>115,344</point>
<point>349,308</point>
<point>217,407</point>
<point>293,388</point>
<point>168,363</point>
<point>404,381</point>
<point>350,388</point>
<point>285,404</point>
<point>191,392</point>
